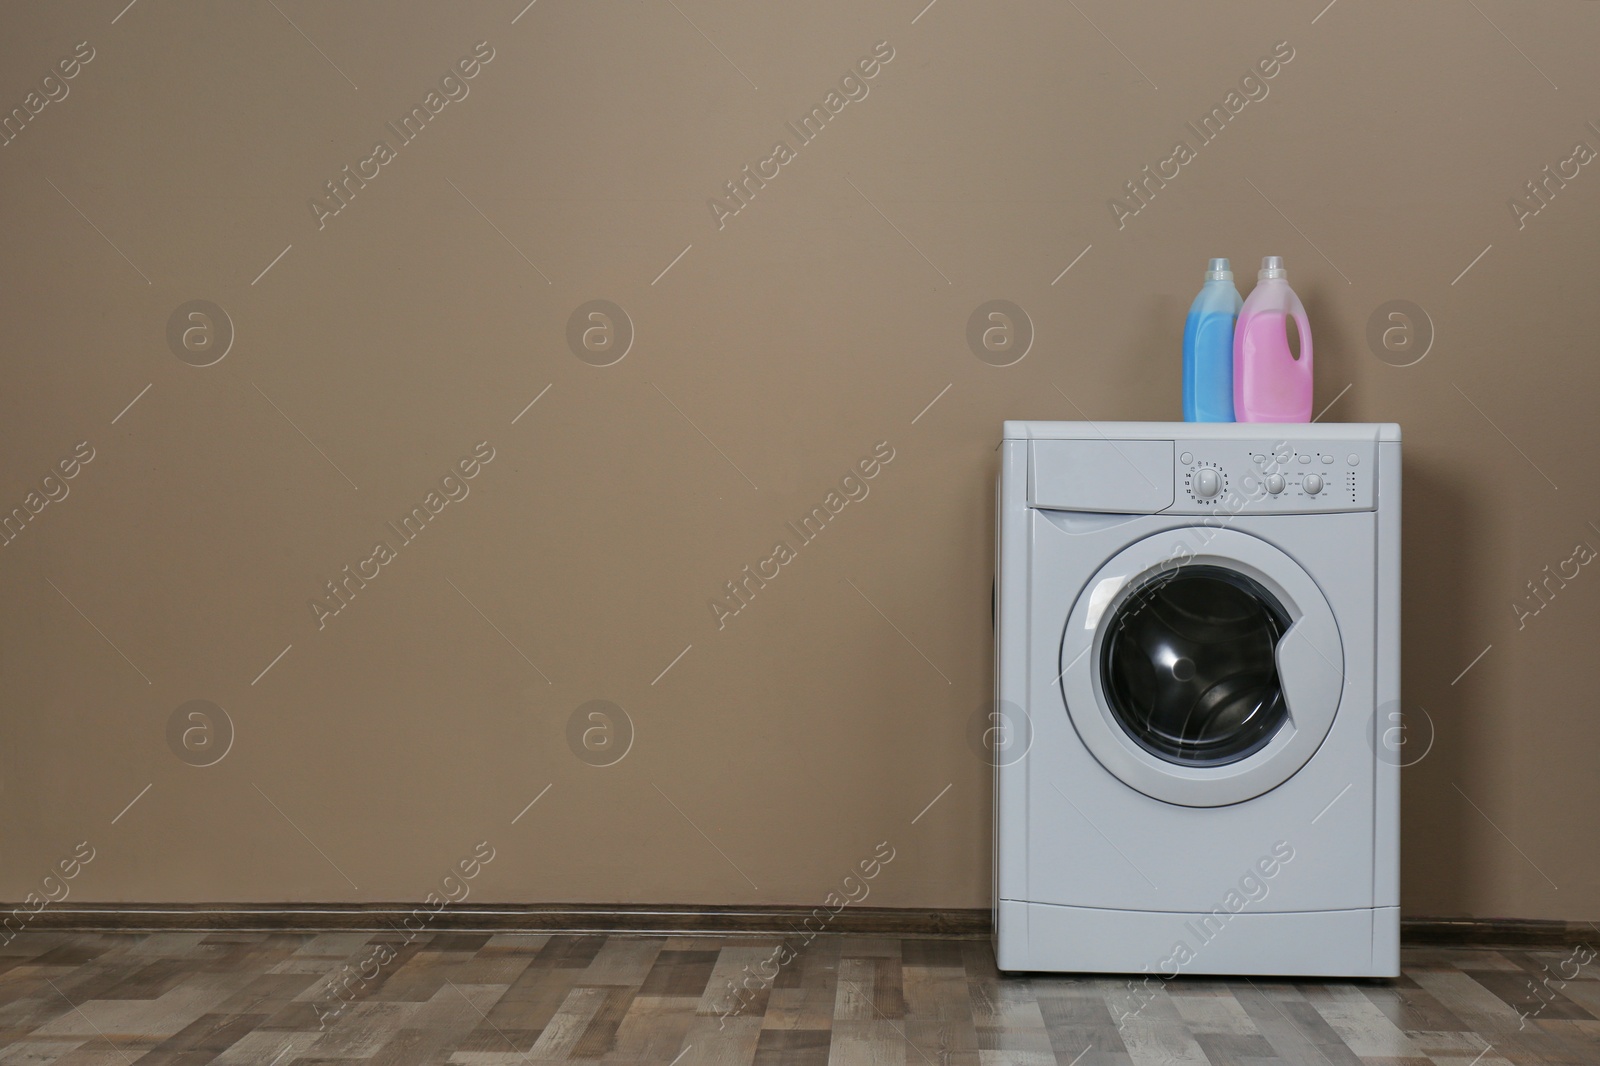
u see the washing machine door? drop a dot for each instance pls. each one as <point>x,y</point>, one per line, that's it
<point>1202,677</point>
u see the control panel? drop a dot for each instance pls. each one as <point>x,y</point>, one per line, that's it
<point>1280,477</point>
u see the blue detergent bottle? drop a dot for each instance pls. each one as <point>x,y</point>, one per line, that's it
<point>1208,347</point>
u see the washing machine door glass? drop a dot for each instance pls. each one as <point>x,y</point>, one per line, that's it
<point>1189,668</point>
<point>1201,678</point>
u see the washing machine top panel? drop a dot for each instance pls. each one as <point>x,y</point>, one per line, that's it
<point>1231,474</point>
<point>1192,431</point>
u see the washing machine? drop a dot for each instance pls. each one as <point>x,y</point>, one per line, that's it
<point>1197,689</point>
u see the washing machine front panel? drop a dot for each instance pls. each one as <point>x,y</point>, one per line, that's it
<point>1202,667</point>
<point>1094,840</point>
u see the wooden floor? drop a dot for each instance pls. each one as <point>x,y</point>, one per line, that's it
<point>277,999</point>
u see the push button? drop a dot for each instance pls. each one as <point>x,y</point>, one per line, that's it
<point>1186,458</point>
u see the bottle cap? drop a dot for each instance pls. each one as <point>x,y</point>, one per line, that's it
<point>1219,270</point>
<point>1272,267</point>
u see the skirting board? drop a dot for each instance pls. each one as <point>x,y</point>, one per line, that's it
<point>1497,932</point>
<point>687,920</point>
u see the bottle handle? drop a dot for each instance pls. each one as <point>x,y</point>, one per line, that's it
<point>1303,324</point>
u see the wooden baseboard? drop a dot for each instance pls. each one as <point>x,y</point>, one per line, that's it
<point>969,923</point>
<point>511,918</point>
<point>1497,932</point>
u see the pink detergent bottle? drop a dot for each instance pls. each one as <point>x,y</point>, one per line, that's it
<point>1269,383</point>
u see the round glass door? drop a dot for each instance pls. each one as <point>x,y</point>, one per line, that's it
<point>1201,679</point>
<point>1188,665</point>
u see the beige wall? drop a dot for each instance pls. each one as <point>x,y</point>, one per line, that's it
<point>775,353</point>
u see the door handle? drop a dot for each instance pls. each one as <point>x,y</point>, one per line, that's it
<point>1304,669</point>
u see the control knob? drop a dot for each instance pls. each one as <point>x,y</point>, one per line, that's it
<point>1274,483</point>
<point>1207,483</point>
<point>1312,483</point>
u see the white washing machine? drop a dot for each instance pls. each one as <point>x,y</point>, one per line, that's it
<point>1197,670</point>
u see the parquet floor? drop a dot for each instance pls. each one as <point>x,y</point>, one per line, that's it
<point>280,999</point>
